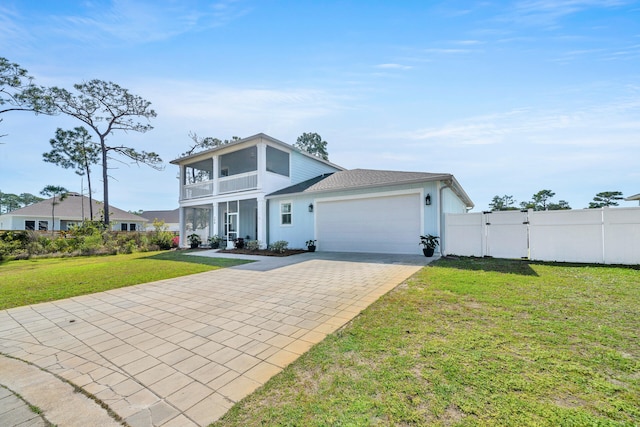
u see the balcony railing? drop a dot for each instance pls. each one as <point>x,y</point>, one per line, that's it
<point>197,190</point>
<point>245,181</point>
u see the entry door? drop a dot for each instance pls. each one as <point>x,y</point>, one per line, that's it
<point>231,226</point>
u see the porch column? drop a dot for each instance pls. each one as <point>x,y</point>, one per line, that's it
<point>262,221</point>
<point>183,234</point>
<point>213,231</point>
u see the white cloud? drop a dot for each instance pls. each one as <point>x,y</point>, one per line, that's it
<point>394,66</point>
<point>549,12</point>
<point>145,21</point>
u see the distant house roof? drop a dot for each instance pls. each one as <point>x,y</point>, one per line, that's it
<point>634,197</point>
<point>369,178</point>
<point>169,217</point>
<point>74,207</point>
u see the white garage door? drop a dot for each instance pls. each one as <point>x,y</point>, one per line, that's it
<point>389,224</point>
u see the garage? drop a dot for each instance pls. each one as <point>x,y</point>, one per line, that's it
<point>384,224</point>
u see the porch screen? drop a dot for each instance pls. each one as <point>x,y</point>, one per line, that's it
<point>238,162</point>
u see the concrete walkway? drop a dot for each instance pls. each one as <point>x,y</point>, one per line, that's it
<point>181,352</point>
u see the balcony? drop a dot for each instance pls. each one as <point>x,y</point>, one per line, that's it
<point>240,182</point>
<point>197,190</point>
<point>231,184</point>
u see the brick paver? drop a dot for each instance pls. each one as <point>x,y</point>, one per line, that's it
<point>183,351</point>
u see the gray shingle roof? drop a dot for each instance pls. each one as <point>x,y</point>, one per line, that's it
<point>360,178</point>
<point>166,216</point>
<point>370,178</point>
<point>71,208</point>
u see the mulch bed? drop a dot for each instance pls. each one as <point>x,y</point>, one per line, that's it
<point>262,252</point>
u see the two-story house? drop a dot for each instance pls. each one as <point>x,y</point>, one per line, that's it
<point>260,188</point>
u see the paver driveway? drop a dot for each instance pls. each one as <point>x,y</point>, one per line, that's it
<point>180,352</point>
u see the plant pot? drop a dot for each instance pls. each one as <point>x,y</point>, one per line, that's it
<point>194,245</point>
<point>215,245</point>
<point>428,252</point>
<point>311,248</point>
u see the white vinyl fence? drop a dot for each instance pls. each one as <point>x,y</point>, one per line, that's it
<point>600,236</point>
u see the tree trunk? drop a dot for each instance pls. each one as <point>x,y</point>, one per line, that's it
<point>105,184</point>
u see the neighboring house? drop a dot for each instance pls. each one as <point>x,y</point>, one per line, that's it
<point>171,219</point>
<point>259,188</point>
<point>634,197</point>
<point>71,211</point>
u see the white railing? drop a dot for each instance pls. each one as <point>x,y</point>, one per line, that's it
<point>197,190</point>
<point>245,181</point>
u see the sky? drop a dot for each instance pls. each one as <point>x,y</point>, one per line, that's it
<point>511,97</point>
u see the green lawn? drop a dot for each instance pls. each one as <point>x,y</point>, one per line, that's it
<point>48,279</point>
<point>473,342</point>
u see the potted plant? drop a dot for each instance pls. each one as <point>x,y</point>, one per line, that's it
<point>311,245</point>
<point>239,242</point>
<point>194,240</point>
<point>430,242</point>
<point>214,241</point>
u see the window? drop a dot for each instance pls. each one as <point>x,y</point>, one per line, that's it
<point>277,161</point>
<point>132,227</point>
<point>285,213</point>
<point>29,225</point>
<point>123,227</point>
<point>43,225</point>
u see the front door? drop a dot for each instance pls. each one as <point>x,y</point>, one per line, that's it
<point>231,226</point>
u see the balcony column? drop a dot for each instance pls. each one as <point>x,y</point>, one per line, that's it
<point>262,164</point>
<point>181,182</point>
<point>216,173</point>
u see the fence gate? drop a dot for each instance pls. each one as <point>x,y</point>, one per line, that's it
<point>507,234</point>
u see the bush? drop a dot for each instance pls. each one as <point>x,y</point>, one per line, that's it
<point>253,245</point>
<point>161,236</point>
<point>280,246</point>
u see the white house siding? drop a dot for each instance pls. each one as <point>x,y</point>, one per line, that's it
<point>304,168</point>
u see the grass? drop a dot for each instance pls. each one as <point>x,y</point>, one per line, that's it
<point>472,342</point>
<point>48,279</point>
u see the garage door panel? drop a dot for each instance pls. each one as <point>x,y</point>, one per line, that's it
<point>388,224</point>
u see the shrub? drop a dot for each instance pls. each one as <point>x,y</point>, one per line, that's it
<point>280,246</point>
<point>253,245</point>
<point>161,236</point>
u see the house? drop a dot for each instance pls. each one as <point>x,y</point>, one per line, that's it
<point>171,219</point>
<point>634,197</point>
<point>68,212</point>
<point>260,188</point>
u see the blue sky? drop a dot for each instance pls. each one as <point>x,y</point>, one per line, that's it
<point>509,96</point>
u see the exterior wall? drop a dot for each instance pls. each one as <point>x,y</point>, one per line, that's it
<point>304,168</point>
<point>171,226</point>
<point>303,221</point>
<point>13,222</point>
<point>599,236</point>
